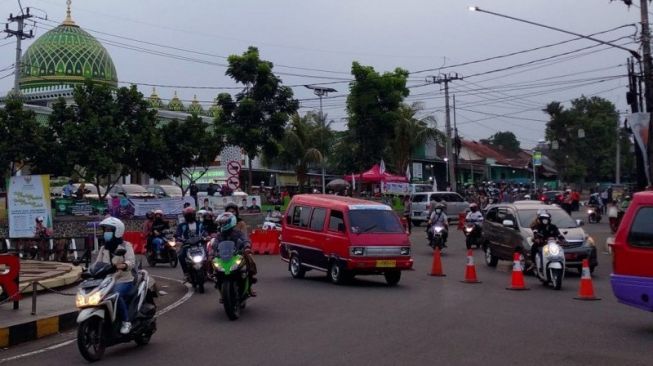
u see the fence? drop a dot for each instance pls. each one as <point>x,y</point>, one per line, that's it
<point>61,249</point>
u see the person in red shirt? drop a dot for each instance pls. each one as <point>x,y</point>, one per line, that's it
<point>575,200</point>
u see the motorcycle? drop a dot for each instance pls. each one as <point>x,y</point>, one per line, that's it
<point>98,323</point>
<point>437,237</point>
<point>593,214</point>
<point>196,260</point>
<point>168,253</point>
<point>232,278</point>
<point>472,235</point>
<point>550,264</point>
<point>272,223</point>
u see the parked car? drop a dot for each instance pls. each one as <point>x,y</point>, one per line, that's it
<point>421,204</point>
<point>507,227</point>
<point>164,190</point>
<point>344,237</point>
<point>131,191</point>
<point>632,254</point>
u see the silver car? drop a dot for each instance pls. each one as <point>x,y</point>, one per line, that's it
<point>421,204</point>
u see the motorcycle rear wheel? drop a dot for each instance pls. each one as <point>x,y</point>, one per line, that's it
<point>143,338</point>
<point>89,339</point>
<point>173,260</point>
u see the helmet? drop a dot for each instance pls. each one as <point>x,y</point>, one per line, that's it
<point>439,205</point>
<point>543,216</point>
<point>542,212</point>
<point>40,219</point>
<point>158,212</point>
<point>231,206</point>
<point>473,207</point>
<point>149,214</point>
<point>201,212</point>
<point>189,211</point>
<point>226,221</point>
<point>117,225</point>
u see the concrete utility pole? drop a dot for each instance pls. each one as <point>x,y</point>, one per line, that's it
<point>446,79</point>
<point>322,92</point>
<point>648,83</point>
<point>20,35</point>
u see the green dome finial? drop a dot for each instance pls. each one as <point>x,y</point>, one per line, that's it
<point>69,19</point>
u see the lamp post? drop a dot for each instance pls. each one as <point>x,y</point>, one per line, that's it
<point>446,164</point>
<point>321,92</point>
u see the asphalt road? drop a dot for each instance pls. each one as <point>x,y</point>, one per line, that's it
<point>424,320</point>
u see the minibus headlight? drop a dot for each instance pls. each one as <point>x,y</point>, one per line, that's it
<point>358,251</point>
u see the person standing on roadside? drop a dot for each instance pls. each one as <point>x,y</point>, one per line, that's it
<point>407,207</point>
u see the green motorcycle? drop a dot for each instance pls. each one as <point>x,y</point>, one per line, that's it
<point>232,278</point>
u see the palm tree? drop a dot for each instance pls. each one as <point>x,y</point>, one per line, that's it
<point>412,132</point>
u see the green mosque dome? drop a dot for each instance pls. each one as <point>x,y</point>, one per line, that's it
<point>195,107</point>
<point>64,57</point>
<point>154,100</point>
<point>175,104</point>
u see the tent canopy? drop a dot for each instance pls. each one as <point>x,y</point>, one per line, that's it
<point>374,175</point>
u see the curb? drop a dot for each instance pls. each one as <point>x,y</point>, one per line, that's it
<point>66,279</point>
<point>36,329</point>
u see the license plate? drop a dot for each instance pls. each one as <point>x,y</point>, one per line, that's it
<point>417,213</point>
<point>570,256</point>
<point>386,264</point>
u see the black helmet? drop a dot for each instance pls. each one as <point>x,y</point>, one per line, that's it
<point>232,206</point>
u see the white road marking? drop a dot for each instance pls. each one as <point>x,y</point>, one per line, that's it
<point>189,293</point>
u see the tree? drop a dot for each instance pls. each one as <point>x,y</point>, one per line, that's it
<point>410,133</point>
<point>20,137</point>
<point>191,145</point>
<point>108,133</point>
<point>504,140</point>
<point>255,120</point>
<point>306,141</point>
<point>374,107</point>
<point>583,158</point>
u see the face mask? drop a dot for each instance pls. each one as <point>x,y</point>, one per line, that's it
<point>545,222</point>
<point>438,211</point>
<point>108,236</point>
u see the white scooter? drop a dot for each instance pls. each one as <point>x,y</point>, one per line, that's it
<point>272,223</point>
<point>550,264</point>
<point>98,323</point>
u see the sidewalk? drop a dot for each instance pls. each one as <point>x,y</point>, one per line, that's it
<point>54,311</point>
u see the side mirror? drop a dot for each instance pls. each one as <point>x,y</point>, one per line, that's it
<point>508,223</point>
<point>580,223</point>
<point>120,252</point>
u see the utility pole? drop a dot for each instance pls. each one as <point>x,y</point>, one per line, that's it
<point>321,92</point>
<point>648,82</point>
<point>446,79</point>
<point>20,35</point>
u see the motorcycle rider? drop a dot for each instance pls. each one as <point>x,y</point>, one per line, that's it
<point>543,230</point>
<point>159,226</point>
<point>113,231</point>
<point>190,228</point>
<point>474,216</point>
<point>241,225</point>
<point>438,217</point>
<point>228,224</point>
<point>209,227</point>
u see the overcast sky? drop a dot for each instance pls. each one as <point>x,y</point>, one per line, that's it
<point>312,42</point>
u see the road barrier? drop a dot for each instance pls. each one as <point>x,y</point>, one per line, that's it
<point>9,279</point>
<point>586,290</point>
<point>517,283</point>
<point>436,266</point>
<point>265,241</point>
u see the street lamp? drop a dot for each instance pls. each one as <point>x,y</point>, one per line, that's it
<point>446,164</point>
<point>321,91</point>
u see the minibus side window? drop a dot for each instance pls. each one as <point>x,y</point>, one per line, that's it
<point>641,231</point>
<point>317,221</point>
<point>336,221</point>
<point>301,216</point>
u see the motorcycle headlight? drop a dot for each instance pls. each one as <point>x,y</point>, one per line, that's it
<point>439,229</point>
<point>590,211</point>
<point>554,249</point>
<point>197,259</point>
<point>236,264</point>
<point>469,229</point>
<point>91,300</point>
<point>172,243</point>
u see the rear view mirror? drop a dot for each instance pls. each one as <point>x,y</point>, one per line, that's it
<point>509,223</point>
<point>579,223</point>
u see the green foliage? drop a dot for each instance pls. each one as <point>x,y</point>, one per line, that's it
<point>20,137</point>
<point>590,158</point>
<point>106,134</point>
<point>504,140</point>
<point>374,108</point>
<point>191,147</point>
<point>256,118</point>
<point>410,133</point>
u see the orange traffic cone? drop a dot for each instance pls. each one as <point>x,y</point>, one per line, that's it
<point>470,269</point>
<point>586,291</point>
<point>517,275</point>
<point>436,267</point>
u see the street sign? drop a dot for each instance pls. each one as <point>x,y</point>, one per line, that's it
<point>537,158</point>
<point>233,183</point>
<point>233,168</point>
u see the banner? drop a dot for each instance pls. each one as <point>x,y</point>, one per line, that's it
<point>174,206</point>
<point>251,204</point>
<point>417,171</point>
<point>170,206</point>
<point>537,158</point>
<point>639,124</point>
<point>397,188</point>
<point>28,197</point>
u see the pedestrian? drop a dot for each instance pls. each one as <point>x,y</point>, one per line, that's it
<point>407,207</point>
<point>210,190</point>
<point>81,190</point>
<point>575,200</point>
<point>193,190</point>
<point>605,200</point>
<point>68,189</point>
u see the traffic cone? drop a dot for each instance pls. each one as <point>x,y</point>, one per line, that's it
<point>517,275</point>
<point>470,269</point>
<point>436,267</point>
<point>586,291</point>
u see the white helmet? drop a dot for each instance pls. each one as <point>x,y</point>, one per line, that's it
<point>117,225</point>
